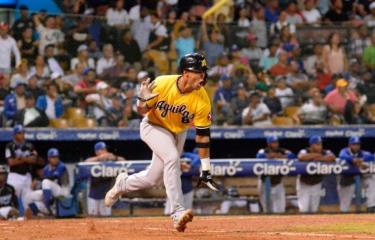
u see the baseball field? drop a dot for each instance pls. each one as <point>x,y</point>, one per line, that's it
<point>212,227</point>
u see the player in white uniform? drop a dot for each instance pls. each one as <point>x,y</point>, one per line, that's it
<point>172,104</point>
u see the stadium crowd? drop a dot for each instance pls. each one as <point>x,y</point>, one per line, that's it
<point>270,62</point>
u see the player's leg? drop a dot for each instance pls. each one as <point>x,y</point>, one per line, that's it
<point>188,199</point>
<point>345,194</point>
<point>30,200</point>
<point>167,207</point>
<point>92,206</point>
<point>303,196</point>
<point>5,212</point>
<point>262,195</point>
<point>278,198</point>
<point>369,181</point>
<point>315,194</point>
<point>103,210</point>
<point>56,189</point>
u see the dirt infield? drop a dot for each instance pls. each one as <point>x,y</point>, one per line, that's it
<point>215,227</point>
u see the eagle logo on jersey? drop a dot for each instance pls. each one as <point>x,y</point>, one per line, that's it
<point>165,108</point>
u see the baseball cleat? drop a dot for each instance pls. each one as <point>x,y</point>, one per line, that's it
<point>116,191</point>
<point>180,221</point>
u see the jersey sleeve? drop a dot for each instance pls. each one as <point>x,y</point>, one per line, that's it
<point>8,152</point>
<point>202,118</point>
<point>261,154</point>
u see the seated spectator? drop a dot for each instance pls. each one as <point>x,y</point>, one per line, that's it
<point>14,102</point>
<point>73,78</point>
<point>284,93</point>
<point>273,102</point>
<point>337,99</point>
<point>310,14</point>
<point>49,34</point>
<point>270,59</point>
<point>313,111</point>
<point>130,117</point>
<point>101,102</point>
<point>336,15</point>
<point>276,27</point>
<point>296,79</point>
<point>212,46</point>
<point>117,16</point>
<point>252,52</point>
<point>106,61</point>
<point>222,99</point>
<point>83,58</point>
<point>323,79</point>
<point>21,75</point>
<point>334,56</point>
<point>115,116</point>
<point>33,88</point>
<point>259,27</point>
<point>281,68</point>
<point>359,40</point>
<point>129,48</point>
<point>99,186</point>
<point>22,23</point>
<point>116,74</point>
<point>309,187</point>
<point>30,116</point>
<point>222,68</point>
<point>370,19</point>
<point>273,151</point>
<point>243,20</point>
<point>53,63</point>
<point>27,45</point>
<point>184,43</point>
<point>272,11</point>
<point>87,84</point>
<point>9,201</point>
<point>293,16</point>
<point>8,49</point>
<point>4,91</point>
<point>312,60</point>
<point>369,54</point>
<point>257,113</point>
<point>40,70</point>
<point>238,104</point>
<point>159,39</point>
<point>51,103</point>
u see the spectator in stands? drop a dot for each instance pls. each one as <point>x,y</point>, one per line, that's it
<point>21,156</point>
<point>53,63</point>
<point>259,27</point>
<point>276,27</point>
<point>83,58</point>
<point>8,47</point>
<point>238,104</point>
<point>4,91</point>
<point>336,15</point>
<point>129,48</point>
<point>87,84</point>
<point>184,43</point>
<point>293,16</point>
<point>101,102</point>
<point>296,79</point>
<point>309,186</point>
<point>252,52</point>
<point>74,77</point>
<point>354,156</point>
<point>338,100</point>
<point>117,16</point>
<point>310,14</point>
<point>269,59</point>
<point>272,11</point>
<point>40,70</point>
<point>48,33</point>
<point>98,186</point>
<point>21,75</point>
<point>94,50</point>
<point>212,46</point>
<point>334,56</point>
<point>370,19</point>
<point>312,60</point>
<point>33,88</point>
<point>22,23</point>
<point>158,39</point>
<point>273,102</point>
<point>116,74</point>
<point>284,93</point>
<point>222,99</point>
<point>313,111</point>
<point>281,68</point>
<point>51,103</point>
<point>27,45</point>
<point>273,151</point>
<point>14,102</point>
<point>107,60</point>
<point>243,19</point>
<point>257,113</point>
<point>30,116</point>
<point>359,40</point>
<point>222,68</point>
<point>141,28</point>
<point>115,116</point>
<point>9,202</point>
<point>369,54</point>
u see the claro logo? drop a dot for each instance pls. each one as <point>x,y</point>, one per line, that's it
<point>110,171</point>
<point>272,169</point>
<point>325,168</point>
<point>226,170</point>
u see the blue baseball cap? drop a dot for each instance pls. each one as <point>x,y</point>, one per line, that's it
<point>315,139</point>
<point>100,146</point>
<point>354,140</point>
<point>53,152</point>
<point>18,129</point>
<point>272,139</point>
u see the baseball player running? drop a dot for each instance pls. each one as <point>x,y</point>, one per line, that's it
<point>172,104</point>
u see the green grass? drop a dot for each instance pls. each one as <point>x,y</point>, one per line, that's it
<point>352,227</point>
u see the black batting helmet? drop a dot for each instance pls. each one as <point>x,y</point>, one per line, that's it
<point>194,62</point>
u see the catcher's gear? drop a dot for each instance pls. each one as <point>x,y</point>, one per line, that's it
<point>194,62</point>
<point>206,179</point>
<point>145,91</point>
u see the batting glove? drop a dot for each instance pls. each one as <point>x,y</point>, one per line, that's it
<point>145,91</point>
<point>206,179</point>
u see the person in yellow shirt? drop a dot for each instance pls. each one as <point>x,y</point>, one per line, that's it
<point>172,104</point>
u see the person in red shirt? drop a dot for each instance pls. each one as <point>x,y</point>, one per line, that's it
<point>281,68</point>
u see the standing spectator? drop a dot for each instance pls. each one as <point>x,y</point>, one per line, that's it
<point>338,99</point>
<point>101,102</point>
<point>40,70</point>
<point>311,15</point>
<point>257,113</point>
<point>252,52</point>
<point>185,43</point>
<point>9,202</point>
<point>369,54</point>
<point>259,27</point>
<point>370,19</point>
<point>284,93</point>
<point>30,116</point>
<point>83,58</point>
<point>222,99</point>
<point>281,68</point>
<point>117,16</point>
<point>336,14</point>
<point>51,103</point>
<point>293,16</point>
<point>273,151</point>
<point>14,102</point>
<point>334,56</point>
<point>309,186</point>
<point>129,48</point>
<point>212,46</point>
<point>107,60</point>
<point>48,33</point>
<point>354,156</point>
<point>53,63</point>
<point>98,186</point>
<point>27,45</point>
<point>21,75</point>
<point>8,47</point>
<point>22,23</point>
<point>313,112</point>
<point>273,102</point>
<point>21,156</point>
<point>238,104</point>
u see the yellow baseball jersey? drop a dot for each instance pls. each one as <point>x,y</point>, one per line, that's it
<point>175,111</point>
